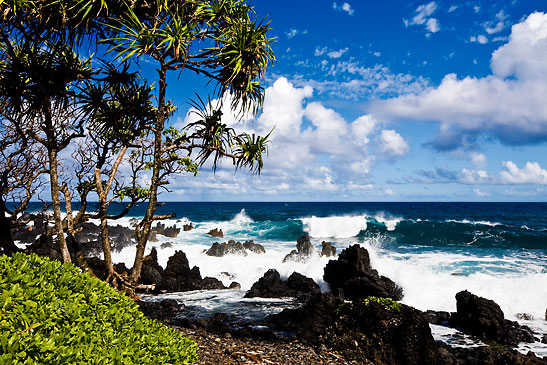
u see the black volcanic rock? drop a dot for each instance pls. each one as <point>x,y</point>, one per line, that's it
<point>271,286</point>
<point>216,233</point>
<point>327,249</point>
<point>151,272</point>
<point>368,332</point>
<point>178,276</point>
<point>485,319</point>
<point>171,232</point>
<point>233,247</point>
<point>353,274</point>
<point>303,251</point>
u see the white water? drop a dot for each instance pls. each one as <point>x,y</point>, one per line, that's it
<point>430,279</point>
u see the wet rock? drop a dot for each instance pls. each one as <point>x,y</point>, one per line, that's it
<point>303,251</point>
<point>544,339</point>
<point>524,316</point>
<point>216,233</point>
<point>234,285</point>
<point>353,273</point>
<point>485,319</point>
<point>271,286</point>
<point>437,317</point>
<point>153,237</point>
<point>166,245</point>
<point>233,247</point>
<point>187,227</point>
<point>327,249</point>
<point>209,283</point>
<point>171,232</point>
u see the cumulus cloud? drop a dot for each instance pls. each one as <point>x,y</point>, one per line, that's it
<point>530,173</point>
<point>344,7</point>
<point>423,17</point>
<point>313,150</point>
<point>478,159</point>
<point>393,143</point>
<point>508,105</point>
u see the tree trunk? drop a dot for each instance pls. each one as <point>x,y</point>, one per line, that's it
<point>6,241</point>
<point>71,234</point>
<point>143,228</point>
<point>56,204</point>
<point>105,237</point>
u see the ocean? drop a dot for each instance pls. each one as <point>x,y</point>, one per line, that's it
<point>433,250</point>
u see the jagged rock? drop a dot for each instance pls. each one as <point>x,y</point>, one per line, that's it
<point>304,249</point>
<point>216,233</point>
<point>485,319</point>
<point>151,272</point>
<point>544,339</point>
<point>327,249</point>
<point>166,245</point>
<point>271,286</point>
<point>364,331</point>
<point>171,232</point>
<point>524,316</point>
<point>492,355</point>
<point>187,227</point>
<point>352,273</point>
<point>133,222</point>
<point>233,247</point>
<point>178,276</point>
<point>253,247</point>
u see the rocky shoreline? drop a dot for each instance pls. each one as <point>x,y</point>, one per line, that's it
<point>359,321</point>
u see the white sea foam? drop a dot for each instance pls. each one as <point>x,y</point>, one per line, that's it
<point>466,221</point>
<point>334,227</point>
<point>242,218</point>
<point>389,222</point>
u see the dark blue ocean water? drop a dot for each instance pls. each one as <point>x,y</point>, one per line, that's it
<point>507,225</point>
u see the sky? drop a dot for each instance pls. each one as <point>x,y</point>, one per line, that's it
<point>392,101</point>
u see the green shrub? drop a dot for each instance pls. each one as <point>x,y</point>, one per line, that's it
<point>51,313</point>
<point>388,303</point>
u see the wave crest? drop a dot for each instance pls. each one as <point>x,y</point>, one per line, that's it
<point>334,227</point>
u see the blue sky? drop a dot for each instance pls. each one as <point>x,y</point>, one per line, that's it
<point>394,101</point>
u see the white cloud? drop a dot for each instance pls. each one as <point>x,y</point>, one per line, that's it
<point>531,173</point>
<point>496,25</point>
<point>509,104</point>
<point>453,8</point>
<point>433,25</point>
<point>320,51</point>
<point>393,143</point>
<point>478,160</point>
<point>480,39</point>
<point>314,151</point>
<point>423,17</point>
<point>351,80</point>
<point>337,54</point>
<point>346,7</point>
<point>480,193</point>
<point>473,177</point>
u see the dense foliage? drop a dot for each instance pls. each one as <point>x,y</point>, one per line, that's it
<point>51,313</point>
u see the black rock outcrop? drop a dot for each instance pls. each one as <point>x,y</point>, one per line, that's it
<point>233,247</point>
<point>303,251</point>
<point>353,274</point>
<point>485,319</point>
<point>216,233</point>
<point>271,286</point>
<point>327,249</point>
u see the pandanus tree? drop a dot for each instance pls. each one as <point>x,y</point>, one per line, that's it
<point>121,111</point>
<point>220,39</point>
<point>39,76</point>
